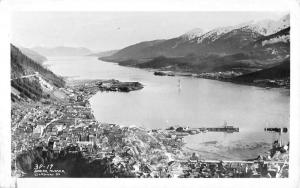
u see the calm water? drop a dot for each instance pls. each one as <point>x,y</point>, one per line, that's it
<point>193,102</point>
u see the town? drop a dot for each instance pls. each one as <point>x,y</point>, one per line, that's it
<point>62,138</point>
<point>228,76</point>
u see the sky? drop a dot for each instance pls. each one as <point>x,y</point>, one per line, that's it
<point>101,31</point>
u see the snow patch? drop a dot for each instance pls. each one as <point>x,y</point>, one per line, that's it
<point>194,33</point>
<point>268,27</point>
<point>283,38</point>
<point>263,27</point>
<point>218,32</point>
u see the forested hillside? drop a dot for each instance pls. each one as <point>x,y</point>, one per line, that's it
<point>33,55</point>
<point>21,65</point>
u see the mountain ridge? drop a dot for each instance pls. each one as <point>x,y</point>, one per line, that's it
<point>223,40</point>
<point>62,51</point>
<point>103,53</point>
<point>234,50</point>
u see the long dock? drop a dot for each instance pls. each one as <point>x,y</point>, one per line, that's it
<point>223,129</point>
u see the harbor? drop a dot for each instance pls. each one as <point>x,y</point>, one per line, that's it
<point>110,150</point>
<point>184,131</point>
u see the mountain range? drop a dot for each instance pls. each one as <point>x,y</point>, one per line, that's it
<point>243,48</point>
<point>104,53</point>
<point>222,41</point>
<point>255,50</point>
<point>62,51</point>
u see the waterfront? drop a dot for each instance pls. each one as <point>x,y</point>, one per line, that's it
<point>195,103</point>
<point>109,150</point>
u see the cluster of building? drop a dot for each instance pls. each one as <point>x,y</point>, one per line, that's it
<point>219,75</point>
<point>235,169</point>
<point>207,75</point>
<point>273,165</point>
<point>52,127</point>
<point>65,128</point>
<point>273,82</point>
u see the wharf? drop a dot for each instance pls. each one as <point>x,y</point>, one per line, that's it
<point>223,129</point>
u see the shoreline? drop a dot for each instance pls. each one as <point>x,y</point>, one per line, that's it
<point>165,72</point>
<point>126,151</point>
<point>85,90</point>
<point>190,156</point>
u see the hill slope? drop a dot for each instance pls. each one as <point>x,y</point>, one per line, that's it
<point>33,55</point>
<point>280,71</point>
<point>221,41</point>
<point>30,87</point>
<point>242,49</point>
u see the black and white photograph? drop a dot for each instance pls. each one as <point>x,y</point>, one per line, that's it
<point>150,94</point>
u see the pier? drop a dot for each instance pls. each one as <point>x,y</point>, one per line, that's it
<point>223,129</point>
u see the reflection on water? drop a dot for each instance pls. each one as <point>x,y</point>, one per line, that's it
<point>168,101</point>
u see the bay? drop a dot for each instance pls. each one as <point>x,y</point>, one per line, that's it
<point>186,101</point>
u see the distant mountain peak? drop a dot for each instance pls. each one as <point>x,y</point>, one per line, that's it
<point>222,40</point>
<point>196,32</point>
<point>216,33</point>
<point>62,51</point>
<point>268,26</point>
<point>263,27</point>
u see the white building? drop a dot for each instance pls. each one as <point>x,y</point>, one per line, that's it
<point>38,130</point>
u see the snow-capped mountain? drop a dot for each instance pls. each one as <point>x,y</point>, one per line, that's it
<point>197,32</point>
<point>215,34</point>
<point>263,27</point>
<point>223,41</point>
<point>276,45</point>
<point>269,27</point>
